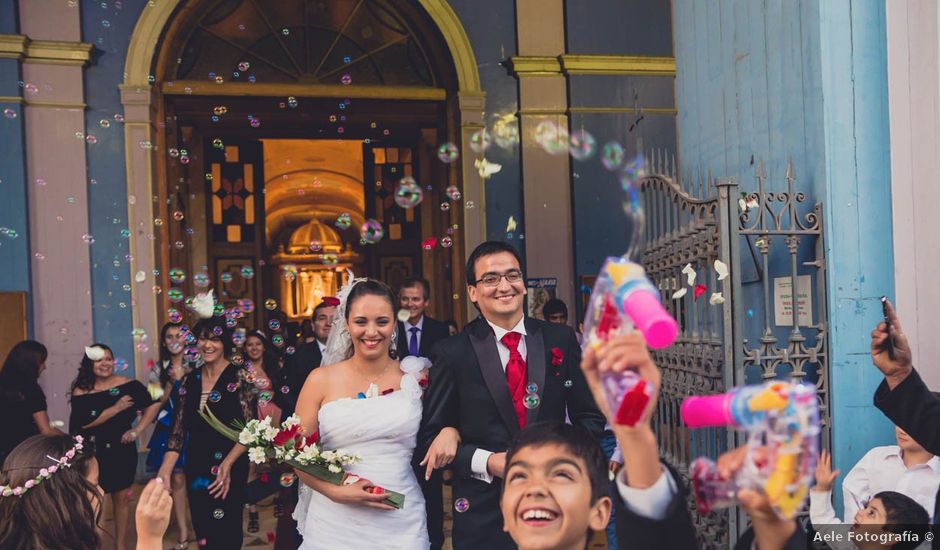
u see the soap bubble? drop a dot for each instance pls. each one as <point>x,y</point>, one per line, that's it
<point>461,505</point>
<point>551,138</point>
<point>408,194</point>
<point>447,152</point>
<point>346,79</point>
<point>344,221</point>
<point>371,231</point>
<point>447,242</point>
<point>201,279</point>
<point>270,304</point>
<point>274,324</point>
<point>453,193</point>
<point>177,275</point>
<point>248,272</point>
<point>612,155</point>
<point>480,140</point>
<point>9,113</point>
<point>175,295</point>
<point>581,145</point>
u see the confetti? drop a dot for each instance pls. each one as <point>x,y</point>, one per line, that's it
<point>699,290</point>
<point>689,274</point>
<point>403,315</point>
<point>716,299</point>
<point>486,168</point>
<point>680,293</point>
<point>511,224</point>
<point>722,269</point>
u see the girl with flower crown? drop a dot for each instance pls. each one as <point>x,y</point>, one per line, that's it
<point>104,408</point>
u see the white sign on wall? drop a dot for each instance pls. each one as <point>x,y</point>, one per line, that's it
<point>783,301</point>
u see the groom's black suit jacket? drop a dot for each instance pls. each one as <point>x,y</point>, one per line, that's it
<point>468,390</point>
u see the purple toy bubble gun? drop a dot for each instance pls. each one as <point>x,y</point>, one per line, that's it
<point>624,299</point>
<point>782,424</point>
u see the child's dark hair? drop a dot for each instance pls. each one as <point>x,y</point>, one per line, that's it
<point>63,511</point>
<point>902,513</point>
<point>369,287</point>
<point>214,327</point>
<point>577,440</point>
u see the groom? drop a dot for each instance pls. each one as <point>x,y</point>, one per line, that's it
<point>503,372</point>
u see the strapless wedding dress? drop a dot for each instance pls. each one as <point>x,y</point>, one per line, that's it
<point>382,431</point>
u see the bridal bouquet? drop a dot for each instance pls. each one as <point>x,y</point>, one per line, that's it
<point>286,445</point>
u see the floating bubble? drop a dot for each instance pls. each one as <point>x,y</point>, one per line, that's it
<point>453,193</point>
<point>178,215</point>
<point>244,66</point>
<point>315,246</point>
<point>448,152</point>
<point>177,275</point>
<point>287,479</point>
<point>201,279</point>
<point>581,145</point>
<point>173,315</point>
<point>248,272</point>
<point>118,117</point>
<point>179,245</point>
<point>403,315</point>
<point>274,324</point>
<point>551,138</point>
<point>114,391</point>
<point>285,389</point>
<point>121,364</point>
<point>330,259</point>
<point>39,256</point>
<point>246,305</point>
<point>219,110</point>
<point>480,141</point>
<point>255,122</point>
<point>408,193</point>
<point>214,470</point>
<point>568,383</point>
<point>88,239</point>
<point>531,401</point>
<point>226,277</point>
<point>447,242</point>
<point>215,396</point>
<point>218,513</point>
<point>231,387</point>
<point>270,304</point>
<point>461,505</point>
<point>532,387</point>
<point>156,289</point>
<point>31,88</point>
<point>217,143</point>
<point>344,221</point>
<point>10,113</point>
<point>445,206</point>
<point>469,205</point>
<point>158,222</point>
<point>371,231</point>
<point>631,173</point>
<point>290,350</point>
<point>612,155</point>
<point>429,244</point>
<point>506,131</point>
<point>174,295</point>
<point>90,139</point>
<point>346,79</point>
<point>277,340</point>
<point>292,102</point>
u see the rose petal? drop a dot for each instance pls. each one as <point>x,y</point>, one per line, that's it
<point>699,290</point>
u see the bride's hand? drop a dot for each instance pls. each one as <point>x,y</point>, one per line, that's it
<point>358,493</point>
<point>442,451</point>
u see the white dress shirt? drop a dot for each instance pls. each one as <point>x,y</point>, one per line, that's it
<point>883,469</point>
<point>408,326</point>
<point>481,456</point>
<point>322,347</point>
<point>652,502</point>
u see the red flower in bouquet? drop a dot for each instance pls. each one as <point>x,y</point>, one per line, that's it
<point>557,357</point>
<point>312,438</point>
<point>286,435</point>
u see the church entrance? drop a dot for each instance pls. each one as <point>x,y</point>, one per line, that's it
<point>287,128</point>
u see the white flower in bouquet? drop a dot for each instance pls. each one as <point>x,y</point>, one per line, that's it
<point>334,468</point>
<point>249,433</point>
<point>309,454</point>
<point>328,456</point>
<point>292,420</point>
<point>256,455</point>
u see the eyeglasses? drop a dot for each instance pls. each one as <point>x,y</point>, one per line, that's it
<point>492,279</point>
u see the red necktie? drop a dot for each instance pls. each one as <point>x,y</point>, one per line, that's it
<point>516,374</point>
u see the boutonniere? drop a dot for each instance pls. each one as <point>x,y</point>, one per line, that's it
<point>557,357</point>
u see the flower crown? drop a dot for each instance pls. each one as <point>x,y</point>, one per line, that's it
<point>44,473</point>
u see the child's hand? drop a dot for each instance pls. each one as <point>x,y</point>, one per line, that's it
<point>824,474</point>
<point>153,514</point>
<point>626,351</point>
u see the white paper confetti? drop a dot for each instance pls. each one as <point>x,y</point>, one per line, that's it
<point>722,269</point>
<point>689,274</point>
<point>487,168</point>
<point>511,225</point>
<point>140,276</point>
<point>716,299</point>
<point>680,293</point>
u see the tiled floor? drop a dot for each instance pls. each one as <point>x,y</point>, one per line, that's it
<point>264,538</point>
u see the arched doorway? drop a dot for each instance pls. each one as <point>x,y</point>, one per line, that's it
<point>271,103</point>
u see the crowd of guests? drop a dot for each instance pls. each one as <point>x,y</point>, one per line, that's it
<point>555,483</point>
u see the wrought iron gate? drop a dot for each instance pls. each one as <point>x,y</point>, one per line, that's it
<point>694,222</point>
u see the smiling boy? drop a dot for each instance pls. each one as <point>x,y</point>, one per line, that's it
<point>555,488</point>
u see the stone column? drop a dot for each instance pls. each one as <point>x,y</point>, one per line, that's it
<point>56,173</point>
<point>546,179</point>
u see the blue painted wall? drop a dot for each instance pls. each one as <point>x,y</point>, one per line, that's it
<point>779,79</point>
<point>14,219</point>
<point>108,25</point>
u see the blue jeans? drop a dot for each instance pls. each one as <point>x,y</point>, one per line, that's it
<point>608,444</point>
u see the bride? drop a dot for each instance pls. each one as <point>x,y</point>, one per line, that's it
<point>363,401</point>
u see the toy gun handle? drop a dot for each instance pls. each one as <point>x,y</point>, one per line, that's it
<point>649,316</point>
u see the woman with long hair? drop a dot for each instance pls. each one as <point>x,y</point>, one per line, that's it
<point>216,468</point>
<point>264,366</point>
<point>49,495</point>
<point>364,401</point>
<point>22,401</point>
<point>170,371</point>
<point>104,408</point>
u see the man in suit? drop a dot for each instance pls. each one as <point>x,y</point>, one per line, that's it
<point>417,337</point>
<point>307,355</point>
<point>502,372</point>
<point>419,333</point>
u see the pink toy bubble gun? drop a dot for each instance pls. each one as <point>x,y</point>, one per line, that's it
<point>624,299</point>
<point>782,424</point>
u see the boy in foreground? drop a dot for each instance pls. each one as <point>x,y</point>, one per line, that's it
<point>555,488</point>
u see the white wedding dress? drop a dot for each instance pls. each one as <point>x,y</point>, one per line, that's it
<point>382,431</point>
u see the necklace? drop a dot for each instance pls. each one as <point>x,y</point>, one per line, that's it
<point>373,389</point>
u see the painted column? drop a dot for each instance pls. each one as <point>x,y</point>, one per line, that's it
<point>58,205</point>
<point>913,30</point>
<point>546,179</point>
<point>14,234</point>
<point>471,106</point>
<point>859,254</point>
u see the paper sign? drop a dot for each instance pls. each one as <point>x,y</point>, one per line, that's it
<point>783,301</point>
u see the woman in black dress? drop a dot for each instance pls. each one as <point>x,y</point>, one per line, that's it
<point>104,407</point>
<point>22,401</point>
<point>216,468</point>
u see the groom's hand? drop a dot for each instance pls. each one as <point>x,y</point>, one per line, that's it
<point>496,464</point>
